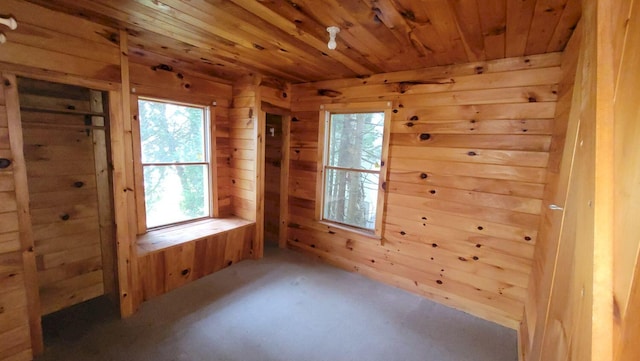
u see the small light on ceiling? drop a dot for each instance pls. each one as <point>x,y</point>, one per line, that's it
<point>333,31</point>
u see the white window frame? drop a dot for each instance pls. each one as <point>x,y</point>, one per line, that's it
<point>326,110</point>
<point>209,144</point>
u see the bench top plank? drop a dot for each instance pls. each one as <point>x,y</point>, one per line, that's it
<point>163,238</point>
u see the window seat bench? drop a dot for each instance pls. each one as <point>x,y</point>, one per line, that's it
<point>171,257</point>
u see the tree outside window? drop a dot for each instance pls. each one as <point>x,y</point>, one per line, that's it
<point>175,162</point>
<point>352,166</point>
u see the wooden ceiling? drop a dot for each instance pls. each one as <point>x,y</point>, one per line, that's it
<point>287,39</point>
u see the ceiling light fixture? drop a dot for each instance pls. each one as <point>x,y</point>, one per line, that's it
<point>333,30</point>
<point>11,23</point>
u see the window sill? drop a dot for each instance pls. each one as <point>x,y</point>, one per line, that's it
<point>344,228</point>
<point>159,239</point>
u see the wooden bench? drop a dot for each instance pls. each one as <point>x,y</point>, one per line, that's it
<point>171,257</point>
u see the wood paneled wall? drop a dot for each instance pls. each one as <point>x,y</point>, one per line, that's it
<point>589,260</point>
<point>48,42</point>
<point>558,171</point>
<point>165,269</point>
<point>51,46</point>
<point>57,47</point>
<point>626,257</point>
<point>65,147</point>
<point>243,147</point>
<point>468,156</point>
<point>17,264</point>
<point>157,77</point>
<point>252,95</point>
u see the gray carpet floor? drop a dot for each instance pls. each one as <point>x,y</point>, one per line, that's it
<point>286,306</point>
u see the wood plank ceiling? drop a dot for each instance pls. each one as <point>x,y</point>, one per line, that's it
<point>288,39</point>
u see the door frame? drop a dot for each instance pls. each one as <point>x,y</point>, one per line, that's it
<point>284,168</point>
<point>10,73</point>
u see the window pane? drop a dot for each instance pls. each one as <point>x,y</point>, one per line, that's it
<point>175,193</point>
<point>356,140</point>
<point>171,133</point>
<point>351,198</point>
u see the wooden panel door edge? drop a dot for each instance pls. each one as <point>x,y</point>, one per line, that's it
<point>284,167</point>
<point>123,189</point>
<point>24,216</point>
<point>284,181</point>
<point>258,248</point>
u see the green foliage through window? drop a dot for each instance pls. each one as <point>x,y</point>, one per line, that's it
<point>175,161</point>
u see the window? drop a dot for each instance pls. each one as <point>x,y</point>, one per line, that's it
<point>175,158</point>
<point>355,147</point>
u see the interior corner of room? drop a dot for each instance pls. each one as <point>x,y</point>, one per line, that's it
<point>477,154</point>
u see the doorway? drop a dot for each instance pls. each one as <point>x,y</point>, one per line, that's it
<point>66,149</point>
<point>276,175</point>
<point>273,173</point>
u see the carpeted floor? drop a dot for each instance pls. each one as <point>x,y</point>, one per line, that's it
<point>284,307</point>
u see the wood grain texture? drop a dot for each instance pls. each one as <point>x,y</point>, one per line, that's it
<point>16,284</point>
<point>172,258</point>
<point>287,40</point>
<point>243,118</point>
<point>462,208</point>
<point>71,223</point>
<point>180,83</point>
<point>571,312</point>
<point>626,157</point>
<point>91,50</point>
<point>273,171</point>
<point>123,188</point>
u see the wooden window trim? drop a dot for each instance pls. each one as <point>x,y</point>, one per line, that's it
<point>325,112</point>
<point>141,211</point>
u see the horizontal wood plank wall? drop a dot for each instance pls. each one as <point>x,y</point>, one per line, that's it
<point>223,153</point>
<point>48,43</point>
<point>245,148</point>
<point>15,340</point>
<point>558,171</point>
<point>243,119</point>
<point>274,92</point>
<point>51,46</point>
<point>63,191</point>
<point>169,268</point>
<point>165,81</point>
<point>467,167</point>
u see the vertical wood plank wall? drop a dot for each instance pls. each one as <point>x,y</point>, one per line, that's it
<point>558,171</point>
<point>584,287</point>
<point>468,156</point>
<point>627,182</point>
<point>15,339</point>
